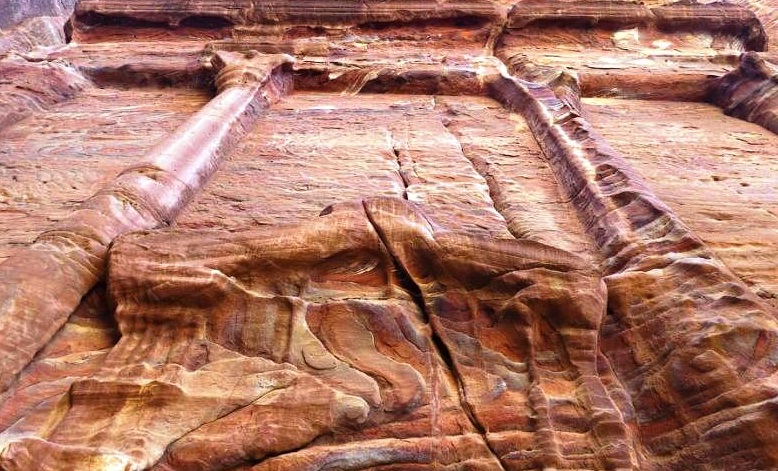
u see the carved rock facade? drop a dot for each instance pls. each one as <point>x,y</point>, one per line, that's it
<point>389,235</point>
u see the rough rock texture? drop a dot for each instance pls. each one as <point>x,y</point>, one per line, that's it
<point>750,92</point>
<point>36,86</point>
<point>45,179</point>
<point>675,311</point>
<point>17,11</point>
<point>712,191</point>
<point>39,31</point>
<point>452,235</point>
<point>767,11</point>
<point>46,281</point>
<point>307,13</point>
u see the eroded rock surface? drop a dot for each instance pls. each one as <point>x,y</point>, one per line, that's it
<point>452,235</point>
<point>353,323</point>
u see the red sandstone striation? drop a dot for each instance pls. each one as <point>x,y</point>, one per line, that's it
<point>46,282</point>
<point>677,315</point>
<point>410,235</point>
<point>37,86</point>
<point>36,32</point>
<point>313,13</point>
<point>750,92</point>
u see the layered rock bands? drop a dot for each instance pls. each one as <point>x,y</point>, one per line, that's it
<point>302,235</point>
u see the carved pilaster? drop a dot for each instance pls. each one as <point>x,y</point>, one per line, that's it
<point>45,283</point>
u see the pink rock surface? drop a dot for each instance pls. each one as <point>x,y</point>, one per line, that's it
<point>728,183</point>
<point>50,163</point>
<point>405,235</point>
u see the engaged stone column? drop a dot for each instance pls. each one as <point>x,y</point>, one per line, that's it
<point>678,319</point>
<point>42,285</point>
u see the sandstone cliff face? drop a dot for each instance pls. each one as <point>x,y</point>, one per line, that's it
<point>389,235</point>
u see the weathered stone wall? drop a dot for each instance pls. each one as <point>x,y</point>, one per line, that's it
<point>17,11</point>
<point>389,235</point>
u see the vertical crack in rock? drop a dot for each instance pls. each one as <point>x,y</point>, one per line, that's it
<point>440,349</point>
<point>521,339</point>
<point>489,196</point>
<point>522,188</point>
<point>401,166</point>
<point>440,177</point>
<point>482,168</point>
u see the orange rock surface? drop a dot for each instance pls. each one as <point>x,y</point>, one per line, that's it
<point>388,235</point>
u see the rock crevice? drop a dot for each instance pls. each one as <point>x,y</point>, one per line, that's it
<point>499,280</point>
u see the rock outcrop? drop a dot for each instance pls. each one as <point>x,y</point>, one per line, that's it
<point>389,235</point>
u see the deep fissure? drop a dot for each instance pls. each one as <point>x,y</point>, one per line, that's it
<point>439,345</point>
